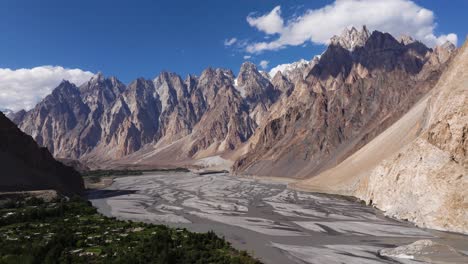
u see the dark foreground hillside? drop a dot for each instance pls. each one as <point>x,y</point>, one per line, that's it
<point>25,166</point>
<point>32,231</point>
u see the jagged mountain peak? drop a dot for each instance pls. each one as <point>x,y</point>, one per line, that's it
<point>64,87</point>
<point>100,82</point>
<point>248,69</point>
<point>98,77</point>
<point>288,67</point>
<point>191,82</point>
<point>139,82</point>
<point>265,74</point>
<point>351,38</point>
<point>191,77</point>
<point>248,66</point>
<point>219,76</point>
<point>100,92</point>
<point>216,71</point>
<point>170,80</point>
<point>165,75</point>
<point>449,46</point>
<point>64,83</point>
<point>405,39</point>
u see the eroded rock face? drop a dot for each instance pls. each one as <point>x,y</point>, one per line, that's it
<point>57,122</point>
<point>104,120</point>
<point>426,182</point>
<point>347,99</point>
<point>26,166</point>
<point>351,38</point>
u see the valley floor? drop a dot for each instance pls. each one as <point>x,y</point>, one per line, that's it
<point>276,224</point>
<point>36,229</point>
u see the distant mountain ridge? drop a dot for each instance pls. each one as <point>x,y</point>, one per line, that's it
<point>292,124</point>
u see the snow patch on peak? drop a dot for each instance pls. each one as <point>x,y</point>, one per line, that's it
<point>6,111</point>
<point>239,88</point>
<point>405,39</point>
<point>98,77</point>
<point>288,67</point>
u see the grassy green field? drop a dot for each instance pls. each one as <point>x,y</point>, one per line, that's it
<point>33,231</point>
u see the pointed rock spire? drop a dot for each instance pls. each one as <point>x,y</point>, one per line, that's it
<point>351,38</point>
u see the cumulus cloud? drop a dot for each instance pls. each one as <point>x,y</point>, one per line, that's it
<point>230,42</point>
<point>24,88</point>
<point>264,64</point>
<point>397,17</point>
<point>246,57</point>
<point>270,23</point>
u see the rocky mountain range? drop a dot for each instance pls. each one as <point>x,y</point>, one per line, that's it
<point>295,123</point>
<point>347,98</point>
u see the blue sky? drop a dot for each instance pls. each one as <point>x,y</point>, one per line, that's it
<point>129,39</point>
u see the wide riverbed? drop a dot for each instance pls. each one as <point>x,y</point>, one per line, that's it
<point>275,224</point>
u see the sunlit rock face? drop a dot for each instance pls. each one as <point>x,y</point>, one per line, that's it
<point>105,120</point>
<point>426,182</point>
<point>347,98</point>
<point>417,168</point>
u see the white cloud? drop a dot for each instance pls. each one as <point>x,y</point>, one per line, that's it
<point>318,25</point>
<point>230,42</point>
<point>264,64</point>
<point>246,57</point>
<point>444,38</point>
<point>270,23</point>
<point>24,88</point>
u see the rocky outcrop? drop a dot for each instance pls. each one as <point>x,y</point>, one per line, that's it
<point>257,91</point>
<point>58,121</point>
<point>417,169</point>
<point>26,166</point>
<point>432,171</point>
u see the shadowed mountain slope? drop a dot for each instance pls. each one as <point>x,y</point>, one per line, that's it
<point>25,166</point>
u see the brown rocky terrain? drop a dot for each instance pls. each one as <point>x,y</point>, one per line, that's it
<point>349,96</point>
<point>26,166</point>
<point>417,168</point>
